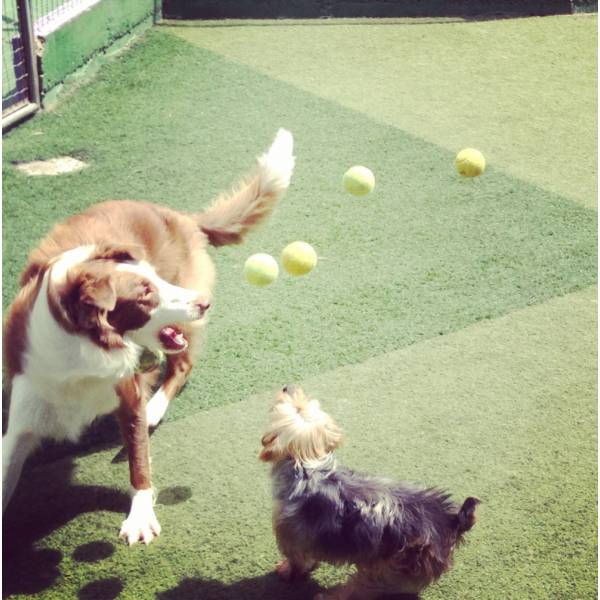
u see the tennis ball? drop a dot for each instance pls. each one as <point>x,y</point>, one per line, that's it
<point>358,180</point>
<point>298,258</point>
<point>470,162</point>
<point>261,269</point>
<point>149,359</point>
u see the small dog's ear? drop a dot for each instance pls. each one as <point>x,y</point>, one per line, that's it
<point>265,455</point>
<point>267,440</point>
<point>333,435</point>
<point>334,445</point>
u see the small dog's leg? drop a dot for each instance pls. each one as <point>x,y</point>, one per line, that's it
<point>20,439</point>
<point>179,367</point>
<point>294,568</point>
<point>141,523</point>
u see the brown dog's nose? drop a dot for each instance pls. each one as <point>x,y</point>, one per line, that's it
<point>289,389</point>
<point>202,304</point>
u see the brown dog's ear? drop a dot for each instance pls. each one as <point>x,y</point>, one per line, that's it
<point>119,253</point>
<point>97,292</point>
<point>91,298</point>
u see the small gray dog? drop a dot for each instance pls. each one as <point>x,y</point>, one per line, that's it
<point>399,538</point>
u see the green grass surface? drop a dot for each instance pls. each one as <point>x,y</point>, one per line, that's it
<point>431,326</point>
<point>509,410</point>
<point>409,257</point>
<point>522,91</point>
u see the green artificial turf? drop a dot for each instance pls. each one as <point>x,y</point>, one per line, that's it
<point>394,318</point>
<point>427,253</point>
<point>522,91</point>
<point>504,409</point>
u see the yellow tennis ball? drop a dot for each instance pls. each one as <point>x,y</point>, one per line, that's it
<point>358,180</point>
<point>470,162</point>
<point>298,258</point>
<point>261,269</point>
<point>149,359</point>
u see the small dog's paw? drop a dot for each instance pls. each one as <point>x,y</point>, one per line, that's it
<point>141,523</point>
<point>285,570</point>
<point>289,571</point>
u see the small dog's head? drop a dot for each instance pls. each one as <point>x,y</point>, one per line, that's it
<point>299,429</point>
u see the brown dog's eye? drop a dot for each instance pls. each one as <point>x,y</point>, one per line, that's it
<point>146,294</point>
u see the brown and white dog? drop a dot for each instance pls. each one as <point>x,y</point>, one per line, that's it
<point>102,286</point>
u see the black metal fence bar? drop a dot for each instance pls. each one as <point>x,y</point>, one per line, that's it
<point>14,74</point>
<point>20,81</point>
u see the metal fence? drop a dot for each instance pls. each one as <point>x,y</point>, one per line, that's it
<point>14,70</point>
<point>50,15</point>
<point>25,24</point>
<point>20,82</point>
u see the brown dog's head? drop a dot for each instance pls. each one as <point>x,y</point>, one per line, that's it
<point>111,293</point>
<point>98,301</point>
<point>299,429</point>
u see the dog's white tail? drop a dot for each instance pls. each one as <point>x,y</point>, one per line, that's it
<point>232,215</point>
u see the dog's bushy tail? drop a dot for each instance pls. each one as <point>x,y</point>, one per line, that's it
<point>466,515</point>
<point>232,215</point>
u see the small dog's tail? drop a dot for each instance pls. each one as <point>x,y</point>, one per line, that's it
<point>466,515</point>
<point>232,215</point>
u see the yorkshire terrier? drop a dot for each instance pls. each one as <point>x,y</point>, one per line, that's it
<point>400,538</point>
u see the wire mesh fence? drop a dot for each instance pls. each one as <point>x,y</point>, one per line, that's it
<point>14,64</point>
<point>47,16</point>
<point>50,15</point>
<point>27,37</point>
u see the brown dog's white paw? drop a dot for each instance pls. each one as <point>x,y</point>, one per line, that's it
<point>141,524</point>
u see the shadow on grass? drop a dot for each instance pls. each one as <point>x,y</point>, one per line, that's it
<point>174,495</point>
<point>46,500</point>
<point>255,588</point>
<point>94,551</point>
<point>104,589</point>
<point>267,586</point>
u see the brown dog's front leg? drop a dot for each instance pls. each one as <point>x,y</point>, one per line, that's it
<point>141,523</point>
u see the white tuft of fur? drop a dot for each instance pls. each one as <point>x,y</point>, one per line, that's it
<point>277,164</point>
